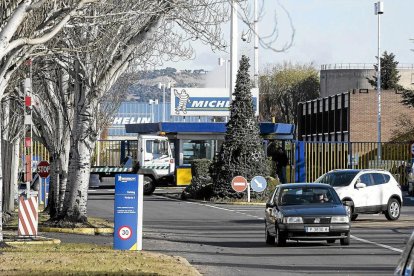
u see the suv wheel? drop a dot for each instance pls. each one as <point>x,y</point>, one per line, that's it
<point>393,209</point>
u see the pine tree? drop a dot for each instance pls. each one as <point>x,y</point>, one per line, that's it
<point>389,73</point>
<point>242,151</point>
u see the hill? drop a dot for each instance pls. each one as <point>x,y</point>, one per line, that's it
<point>143,85</point>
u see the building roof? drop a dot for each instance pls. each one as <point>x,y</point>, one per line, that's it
<point>269,130</point>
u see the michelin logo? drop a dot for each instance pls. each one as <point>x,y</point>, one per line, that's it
<point>183,99</point>
<point>126,179</point>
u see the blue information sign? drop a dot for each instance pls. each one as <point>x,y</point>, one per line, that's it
<point>128,212</point>
<point>258,184</point>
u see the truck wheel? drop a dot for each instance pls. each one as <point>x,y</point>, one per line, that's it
<point>149,185</point>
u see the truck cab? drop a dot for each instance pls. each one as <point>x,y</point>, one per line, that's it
<point>154,160</point>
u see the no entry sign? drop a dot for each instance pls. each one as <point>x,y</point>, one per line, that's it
<point>239,184</point>
<point>43,169</point>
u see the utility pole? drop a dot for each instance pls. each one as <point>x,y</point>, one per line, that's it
<point>379,9</point>
<point>233,48</point>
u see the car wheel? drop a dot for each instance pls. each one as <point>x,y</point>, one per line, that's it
<point>330,240</point>
<point>354,217</point>
<point>269,238</point>
<point>346,240</point>
<point>393,209</point>
<point>280,238</point>
<point>149,185</point>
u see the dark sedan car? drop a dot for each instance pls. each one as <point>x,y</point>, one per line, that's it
<point>306,211</point>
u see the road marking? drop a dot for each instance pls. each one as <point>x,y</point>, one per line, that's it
<point>215,207</point>
<point>260,218</point>
<point>377,244</point>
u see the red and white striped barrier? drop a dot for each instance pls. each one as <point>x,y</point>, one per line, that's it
<point>28,216</point>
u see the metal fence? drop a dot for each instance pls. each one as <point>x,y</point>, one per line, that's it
<point>323,157</point>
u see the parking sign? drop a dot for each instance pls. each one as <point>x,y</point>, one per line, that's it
<point>128,212</point>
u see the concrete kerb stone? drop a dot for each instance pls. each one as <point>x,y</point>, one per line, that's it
<point>33,242</point>
<point>79,231</point>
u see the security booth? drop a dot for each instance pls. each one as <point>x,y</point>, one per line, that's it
<point>191,141</point>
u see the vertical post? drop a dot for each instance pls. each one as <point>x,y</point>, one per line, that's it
<point>248,191</point>
<point>379,9</point>
<point>233,48</point>
<point>256,46</point>
<point>163,103</point>
<point>28,138</point>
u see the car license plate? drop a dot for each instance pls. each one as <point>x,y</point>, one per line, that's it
<point>316,229</point>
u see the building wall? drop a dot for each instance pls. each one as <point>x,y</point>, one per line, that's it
<point>364,110</point>
<point>334,81</point>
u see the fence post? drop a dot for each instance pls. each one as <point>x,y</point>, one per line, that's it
<point>300,168</point>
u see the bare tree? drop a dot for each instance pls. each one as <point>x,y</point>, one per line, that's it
<point>24,25</point>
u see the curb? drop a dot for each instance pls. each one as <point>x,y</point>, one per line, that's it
<point>212,202</point>
<point>45,242</point>
<point>80,231</point>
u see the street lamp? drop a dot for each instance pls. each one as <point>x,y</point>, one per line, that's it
<point>379,9</point>
<point>163,86</point>
<point>152,102</point>
<point>222,61</point>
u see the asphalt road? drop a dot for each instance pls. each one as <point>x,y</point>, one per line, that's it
<point>229,239</point>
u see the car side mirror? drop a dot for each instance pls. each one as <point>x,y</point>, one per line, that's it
<point>360,185</point>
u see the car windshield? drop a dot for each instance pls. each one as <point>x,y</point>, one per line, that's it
<point>307,195</point>
<point>337,179</point>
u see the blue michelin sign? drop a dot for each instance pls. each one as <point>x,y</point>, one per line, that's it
<point>205,101</point>
<point>128,212</point>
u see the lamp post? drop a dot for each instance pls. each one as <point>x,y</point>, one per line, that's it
<point>152,102</point>
<point>379,9</point>
<point>163,86</point>
<point>222,61</point>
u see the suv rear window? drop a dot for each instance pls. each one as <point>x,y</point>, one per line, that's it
<point>380,178</point>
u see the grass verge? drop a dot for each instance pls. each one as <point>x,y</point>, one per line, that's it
<point>86,259</point>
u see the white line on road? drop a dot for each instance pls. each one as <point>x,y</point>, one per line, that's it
<point>216,207</point>
<point>238,212</point>
<point>377,244</point>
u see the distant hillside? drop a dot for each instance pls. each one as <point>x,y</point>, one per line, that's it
<point>143,85</point>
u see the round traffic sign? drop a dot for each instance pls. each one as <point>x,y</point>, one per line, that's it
<point>239,184</point>
<point>124,232</point>
<point>43,169</point>
<point>258,184</point>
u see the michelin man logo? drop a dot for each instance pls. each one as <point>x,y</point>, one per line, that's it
<point>183,99</point>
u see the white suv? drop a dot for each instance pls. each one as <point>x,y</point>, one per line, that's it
<point>366,191</point>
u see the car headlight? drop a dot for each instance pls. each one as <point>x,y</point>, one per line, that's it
<point>340,219</point>
<point>292,220</point>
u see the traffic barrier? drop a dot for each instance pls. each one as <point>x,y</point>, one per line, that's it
<point>28,216</point>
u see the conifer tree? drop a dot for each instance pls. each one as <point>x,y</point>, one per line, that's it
<point>242,151</point>
<point>389,73</point>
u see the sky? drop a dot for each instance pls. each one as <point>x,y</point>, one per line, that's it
<point>326,32</point>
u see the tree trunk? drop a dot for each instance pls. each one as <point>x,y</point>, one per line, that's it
<point>1,194</point>
<point>7,188</point>
<point>82,143</point>
<point>14,182</point>
<point>64,160</point>
<point>53,200</point>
